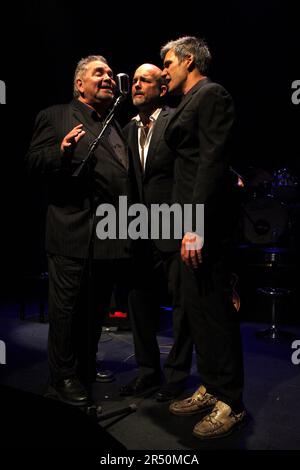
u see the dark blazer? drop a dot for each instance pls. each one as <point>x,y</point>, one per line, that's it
<point>155,184</point>
<point>199,132</point>
<point>68,224</point>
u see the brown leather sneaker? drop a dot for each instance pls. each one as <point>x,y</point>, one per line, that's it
<point>199,401</point>
<point>220,422</point>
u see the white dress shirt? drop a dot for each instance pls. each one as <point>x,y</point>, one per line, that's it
<point>153,119</point>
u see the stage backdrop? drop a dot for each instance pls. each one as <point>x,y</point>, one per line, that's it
<point>255,48</point>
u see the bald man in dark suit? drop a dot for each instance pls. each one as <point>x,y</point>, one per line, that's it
<point>155,260</point>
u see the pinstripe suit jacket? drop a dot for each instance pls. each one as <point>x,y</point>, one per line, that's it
<point>68,223</point>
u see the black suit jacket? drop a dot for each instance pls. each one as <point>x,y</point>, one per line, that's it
<point>155,184</point>
<point>199,132</point>
<point>68,223</point>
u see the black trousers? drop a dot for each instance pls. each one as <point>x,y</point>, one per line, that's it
<point>214,323</point>
<point>74,326</point>
<point>154,272</point>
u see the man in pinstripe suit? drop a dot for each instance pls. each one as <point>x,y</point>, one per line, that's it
<point>61,140</point>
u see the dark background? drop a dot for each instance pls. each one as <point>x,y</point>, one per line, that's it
<point>255,48</point>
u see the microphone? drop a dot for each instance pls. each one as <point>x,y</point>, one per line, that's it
<point>111,414</point>
<point>123,84</point>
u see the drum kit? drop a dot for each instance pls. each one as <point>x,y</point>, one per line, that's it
<point>269,250</point>
<point>271,207</point>
<point>269,234</point>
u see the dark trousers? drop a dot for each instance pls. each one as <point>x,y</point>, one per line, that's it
<point>214,324</point>
<point>74,326</point>
<point>153,271</point>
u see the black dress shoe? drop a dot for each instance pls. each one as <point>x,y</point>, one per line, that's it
<point>103,376</point>
<point>140,385</point>
<point>70,391</point>
<point>169,391</point>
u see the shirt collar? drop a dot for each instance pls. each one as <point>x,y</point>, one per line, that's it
<point>87,110</point>
<point>152,118</point>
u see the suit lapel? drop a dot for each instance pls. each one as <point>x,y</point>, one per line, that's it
<point>158,131</point>
<point>133,142</point>
<point>187,98</point>
<point>79,116</point>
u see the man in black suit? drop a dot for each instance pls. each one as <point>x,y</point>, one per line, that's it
<point>155,261</point>
<point>198,132</point>
<point>61,140</point>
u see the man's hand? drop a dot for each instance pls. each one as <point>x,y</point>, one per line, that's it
<point>70,140</point>
<point>191,246</point>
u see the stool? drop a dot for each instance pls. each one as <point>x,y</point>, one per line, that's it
<point>41,282</point>
<point>273,332</point>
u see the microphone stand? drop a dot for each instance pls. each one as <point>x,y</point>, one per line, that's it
<point>95,142</point>
<point>91,408</point>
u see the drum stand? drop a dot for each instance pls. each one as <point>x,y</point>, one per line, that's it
<point>273,332</point>
<point>274,262</point>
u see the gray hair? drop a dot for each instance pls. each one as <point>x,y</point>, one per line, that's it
<point>81,69</point>
<point>189,45</point>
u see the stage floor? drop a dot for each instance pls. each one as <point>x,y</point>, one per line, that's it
<point>272,387</point>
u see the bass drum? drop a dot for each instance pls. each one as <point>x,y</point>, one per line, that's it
<point>265,220</point>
